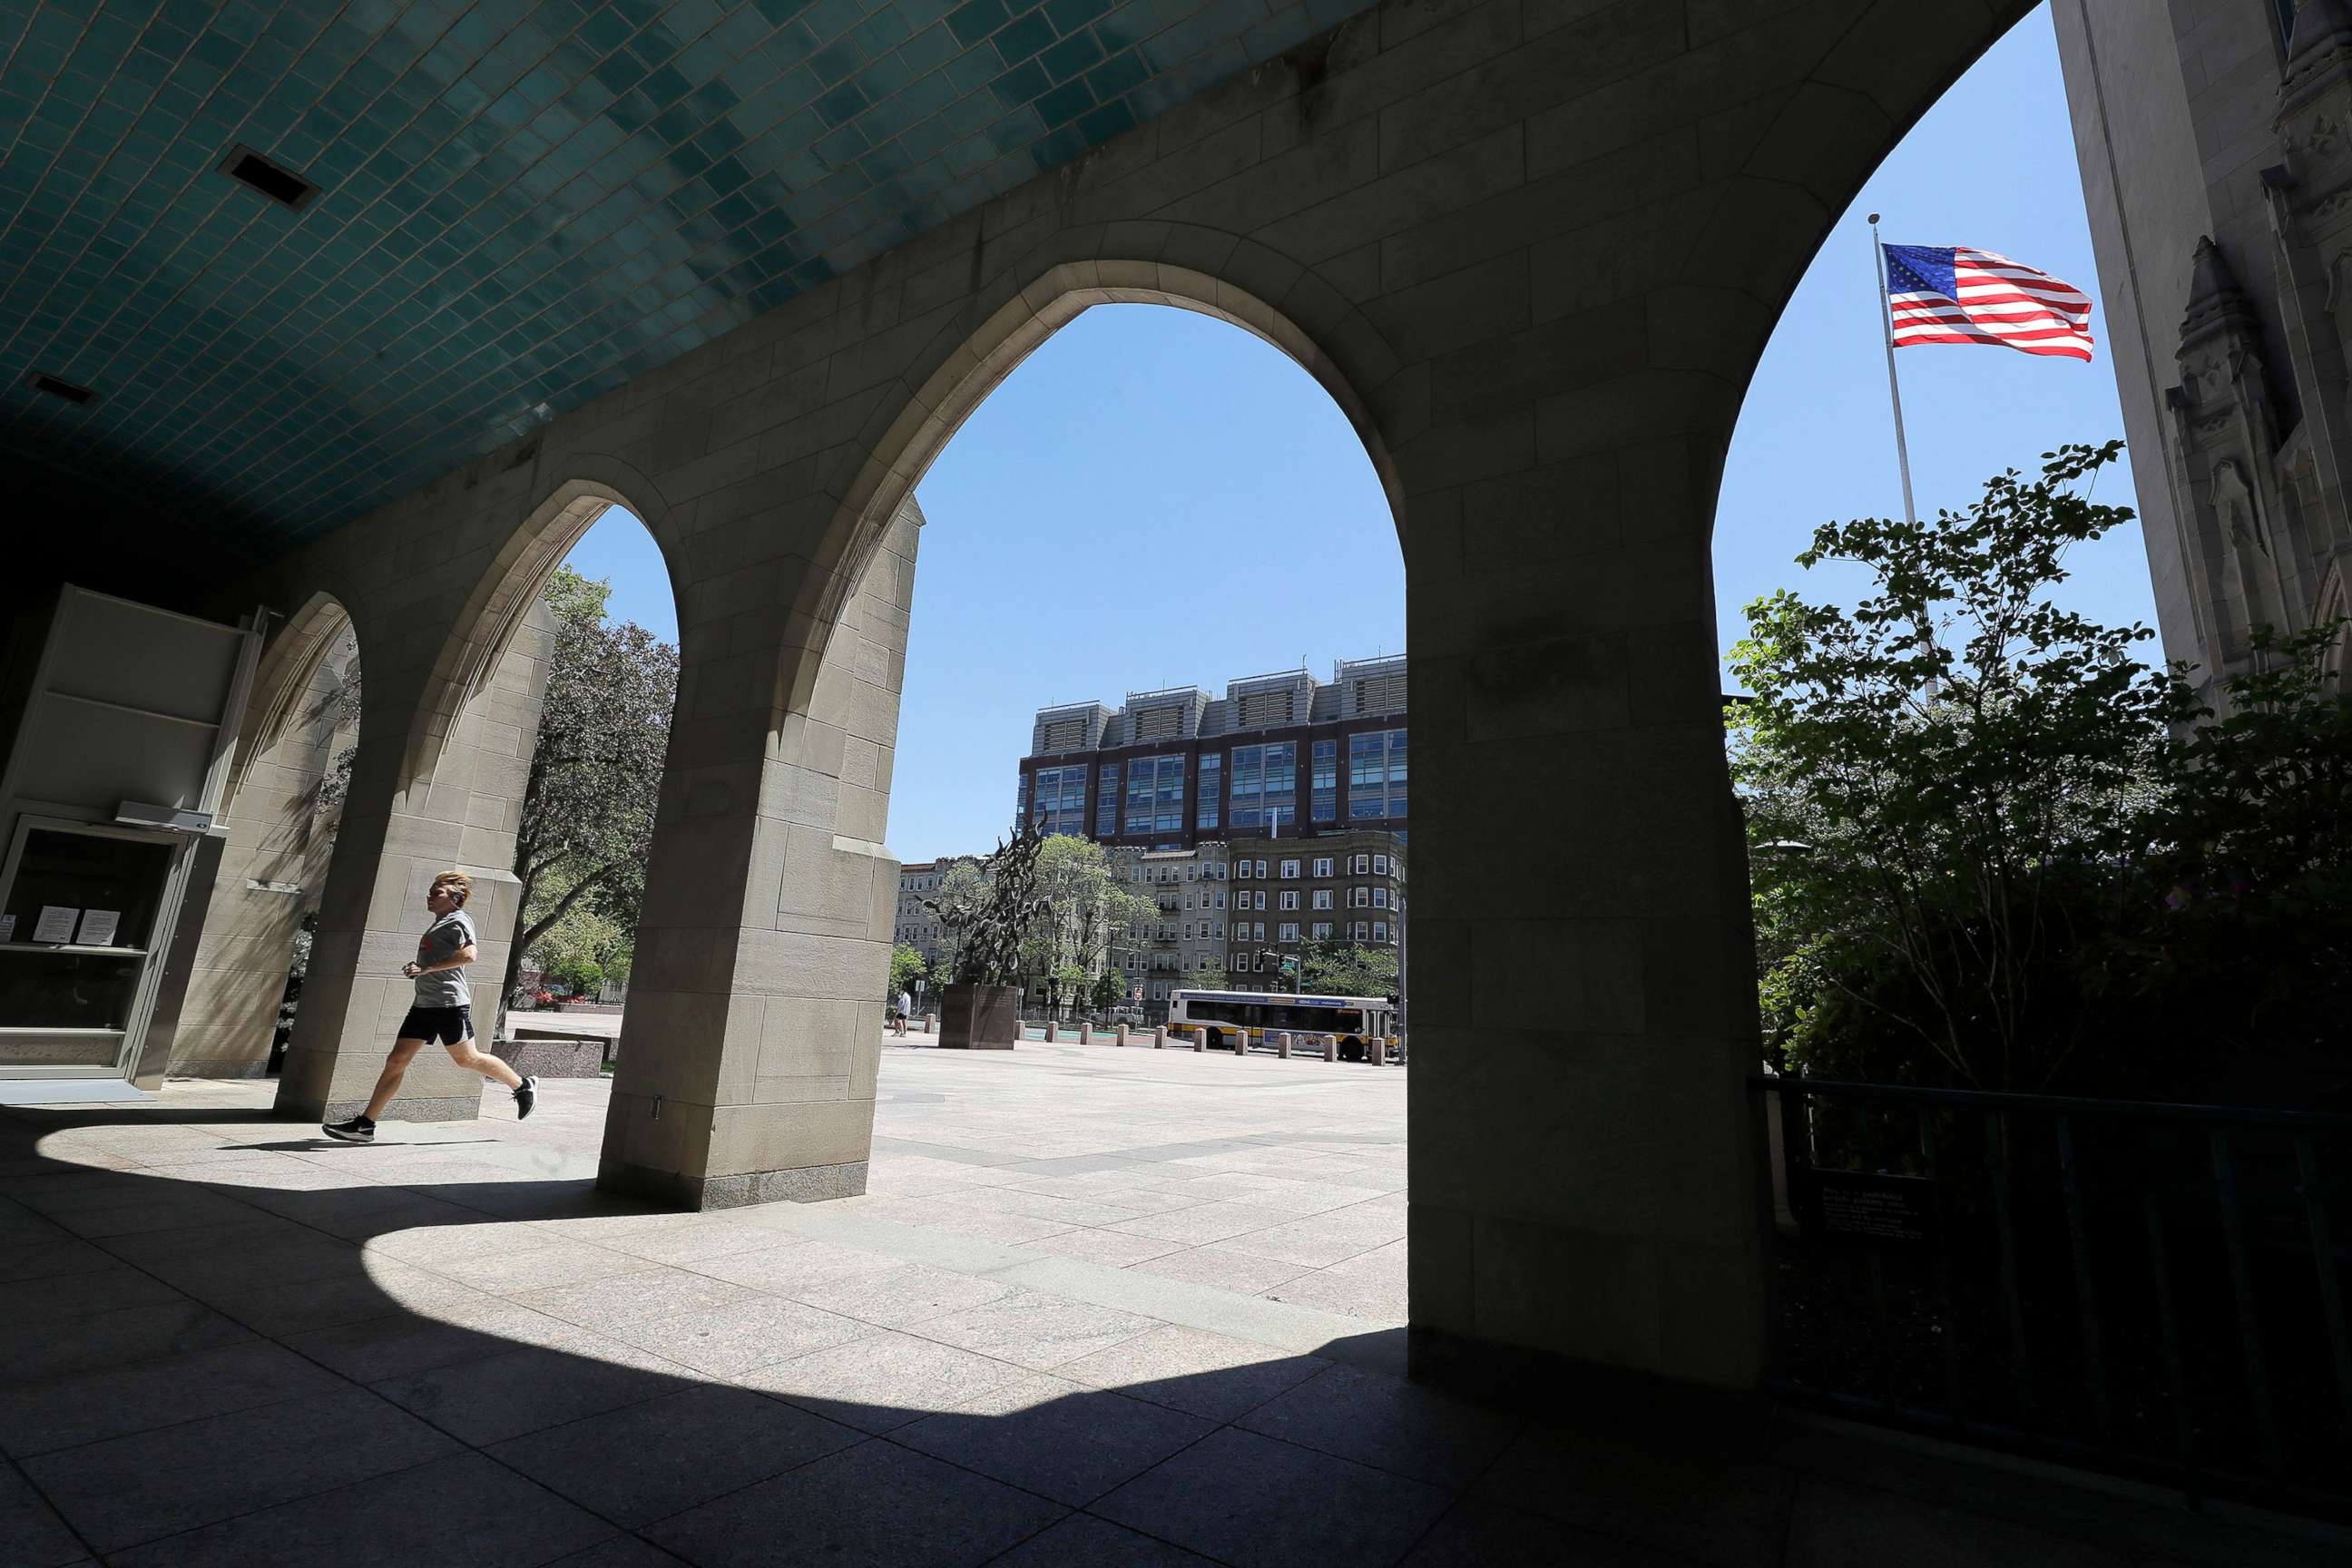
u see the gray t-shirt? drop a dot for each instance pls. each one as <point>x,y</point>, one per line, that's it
<point>443,938</point>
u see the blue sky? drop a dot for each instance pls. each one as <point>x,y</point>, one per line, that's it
<point>1154,498</point>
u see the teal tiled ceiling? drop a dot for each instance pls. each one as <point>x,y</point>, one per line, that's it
<point>520,204</point>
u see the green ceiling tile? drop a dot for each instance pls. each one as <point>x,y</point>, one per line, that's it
<point>522,201</point>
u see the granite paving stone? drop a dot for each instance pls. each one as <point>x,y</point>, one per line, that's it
<point>881,1382</point>
<point>462,1508</point>
<point>649,1460</point>
<point>878,1505</point>
<point>1034,1330</point>
<point>1055,1437</point>
<point>1274,1506</point>
<point>126,1490</point>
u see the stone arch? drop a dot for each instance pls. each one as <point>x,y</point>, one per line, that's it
<point>1052,287</point>
<point>485,627</point>
<point>273,856</point>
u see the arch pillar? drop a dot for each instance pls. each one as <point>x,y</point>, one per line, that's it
<point>461,813</point>
<point>753,1029</point>
<point>275,856</point>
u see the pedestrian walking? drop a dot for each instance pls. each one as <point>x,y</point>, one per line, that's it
<point>905,1008</point>
<point>443,1011</point>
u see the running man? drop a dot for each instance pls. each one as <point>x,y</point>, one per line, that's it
<point>443,1011</point>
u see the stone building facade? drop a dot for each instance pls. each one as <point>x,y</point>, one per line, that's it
<point>916,925</point>
<point>2229,297</point>
<point>1227,905</point>
<point>1176,768</point>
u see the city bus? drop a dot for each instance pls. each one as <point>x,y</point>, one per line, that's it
<point>1355,1019</point>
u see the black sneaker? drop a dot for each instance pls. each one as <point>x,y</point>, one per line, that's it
<point>526,1096</point>
<point>358,1130</point>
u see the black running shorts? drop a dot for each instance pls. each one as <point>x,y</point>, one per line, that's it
<point>446,1025</point>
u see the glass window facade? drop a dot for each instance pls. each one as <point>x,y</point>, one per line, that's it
<point>1155,794</point>
<point>1107,802</point>
<point>1058,804</point>
<point>1210,789</point>
<point>1323,780</point>
<point>1376,774</point>
<point>1265,786</point>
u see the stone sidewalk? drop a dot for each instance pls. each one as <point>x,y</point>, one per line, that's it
<point>1102,1306</point>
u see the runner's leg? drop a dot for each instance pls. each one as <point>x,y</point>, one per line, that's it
<point>395,1067</point>
<point>464,1054</point>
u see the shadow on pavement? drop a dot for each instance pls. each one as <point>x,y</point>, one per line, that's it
<point>213,1353</point>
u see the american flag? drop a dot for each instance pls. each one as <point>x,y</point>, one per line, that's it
<point>1951,294</point>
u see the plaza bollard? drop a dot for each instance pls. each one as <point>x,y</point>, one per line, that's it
<point>1331,1047</point>
<point>1200,1039</point>
<point>1282,1045</point>
<point>1241,1043</point>
<point>1159,1036</point>
<point>930,1022</point>
<point>1122,1033</point>
<point>1051,1037</point>
<point>1377,1053</point>
<point>1086,1031</point>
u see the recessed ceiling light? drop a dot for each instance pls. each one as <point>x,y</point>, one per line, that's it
<point>78,395</point>
<point>273,180</point>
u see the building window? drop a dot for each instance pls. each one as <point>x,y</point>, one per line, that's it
<point>1323,866</point>
<point>1290,899</point>
<point>1323,780</point>
<point>1290,870</point>
<point>1379,898</point>
<point>1380,865</point>
<point>1059,802</point>
<point>1380,930</point>
<point>1289,931</point>
<point>1220,931</point>
<point>1376,774</point>
<point>1241,870</point>
<point>1360,930</point>
<point>1107,802</point>
<point>1265,786</point>
<point>1209,792</point>
<point>1322,931</point>
<point>1155,794</point>
<point>1363,864</point>
<point>1322,898</point>
<point>1261,870</point>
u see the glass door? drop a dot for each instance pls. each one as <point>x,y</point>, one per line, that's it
<point>79,934</point>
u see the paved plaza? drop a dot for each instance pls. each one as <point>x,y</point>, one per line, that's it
<point>1100,1306</point>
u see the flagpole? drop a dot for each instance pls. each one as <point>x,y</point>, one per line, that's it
<point>1894,387</point>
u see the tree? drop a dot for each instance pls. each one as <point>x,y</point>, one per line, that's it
<point>596,771</point>
<point>1106,993</point>
<point>1990,846</point>
<point>1085,913</point>
<point>1336,968</point>
<point>1209,975</point>
<point>906,966</point>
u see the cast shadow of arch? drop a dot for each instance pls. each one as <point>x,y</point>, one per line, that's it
<point>171,1313</point>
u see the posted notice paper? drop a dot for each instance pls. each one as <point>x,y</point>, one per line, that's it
<point>97,927</point>
<point>56,923</point>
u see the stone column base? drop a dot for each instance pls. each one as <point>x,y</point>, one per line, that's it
<point>804,1184</point>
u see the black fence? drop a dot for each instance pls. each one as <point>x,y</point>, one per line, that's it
<point>2152,1290</point>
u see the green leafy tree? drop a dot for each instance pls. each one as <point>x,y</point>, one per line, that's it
<point>1209,975</point>
<point>1106,993</point>
<point>906,966</point>
<point>1928,775</point>
<point>596,771</point>
<point>1990,846</point>
<point>1085,913</point>
<point>1338,968</point>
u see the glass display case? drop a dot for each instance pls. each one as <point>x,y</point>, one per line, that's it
<point>78,933</point>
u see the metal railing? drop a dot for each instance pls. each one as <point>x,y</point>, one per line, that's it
<point>2150,1288</point>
